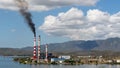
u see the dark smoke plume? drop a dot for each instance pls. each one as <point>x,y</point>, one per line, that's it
<point>22,4</point>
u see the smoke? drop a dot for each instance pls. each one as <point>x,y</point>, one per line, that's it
<point>23,9</point>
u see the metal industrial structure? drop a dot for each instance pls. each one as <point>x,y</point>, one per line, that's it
<point>46,53</point>
<point>34,50</point>
<point>39,49</point>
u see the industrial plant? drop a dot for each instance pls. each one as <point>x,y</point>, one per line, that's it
<point>46,57</point>
<point>37,51</point>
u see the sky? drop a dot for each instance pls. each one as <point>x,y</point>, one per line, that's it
<point>59,21</point>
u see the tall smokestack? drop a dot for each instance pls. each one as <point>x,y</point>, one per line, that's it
<point>46,53</point>
<point>34,51</point>
<point>39,48</point>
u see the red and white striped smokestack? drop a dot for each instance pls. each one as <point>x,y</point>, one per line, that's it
<point>39,48</point>
<point>46,50</point>
<point>34,51</point>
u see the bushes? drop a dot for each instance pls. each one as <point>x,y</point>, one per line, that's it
<point>70,61</point>
<point>24,60</point>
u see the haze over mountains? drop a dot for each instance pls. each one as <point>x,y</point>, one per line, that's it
<point>78,47</point>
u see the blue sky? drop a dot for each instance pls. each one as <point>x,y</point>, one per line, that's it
<point>15,33</point>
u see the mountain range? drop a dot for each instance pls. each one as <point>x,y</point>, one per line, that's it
<point>78,47</point>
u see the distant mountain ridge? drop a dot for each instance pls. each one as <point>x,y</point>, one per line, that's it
<point>111,44</point>
<point>79,47</point>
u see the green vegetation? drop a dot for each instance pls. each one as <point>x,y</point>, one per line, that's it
<point>70,61</point>
<point>54,63</point>
<point>23,60</point>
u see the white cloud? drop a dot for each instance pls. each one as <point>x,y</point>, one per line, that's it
<point>74,24</point>
<point>7,4</point>
<point>40,5</point>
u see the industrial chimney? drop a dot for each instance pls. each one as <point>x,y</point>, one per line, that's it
<point>46,53</point>
<point>34,51</point>
<point>39,49</point>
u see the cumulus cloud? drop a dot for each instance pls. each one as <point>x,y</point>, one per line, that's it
<point>7,4</point>
<point>41,5</point>
<point>76,25</point>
